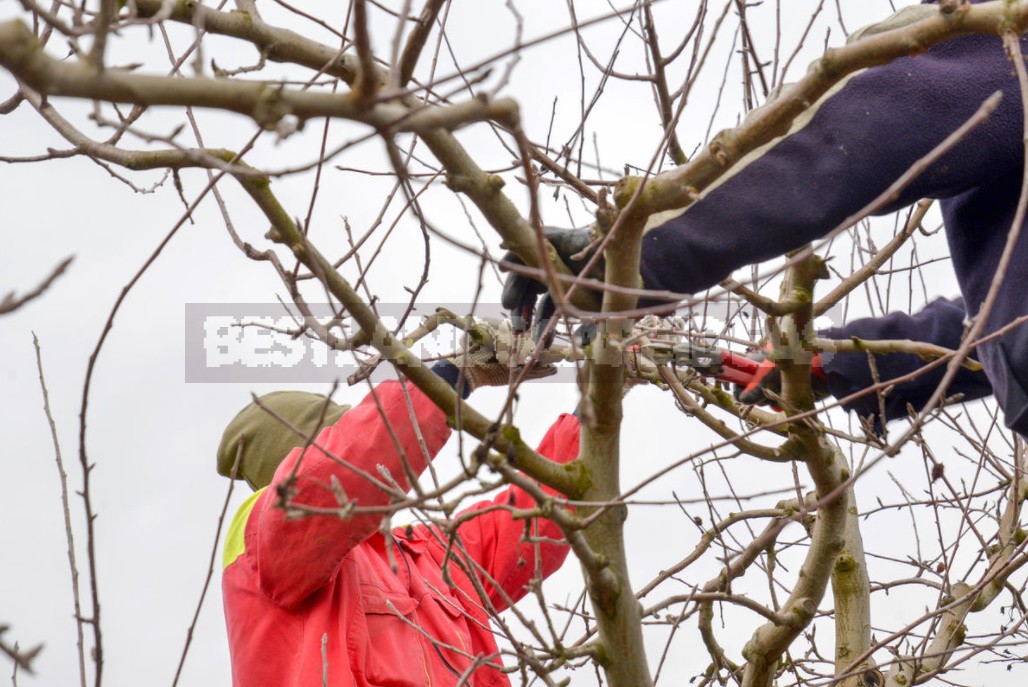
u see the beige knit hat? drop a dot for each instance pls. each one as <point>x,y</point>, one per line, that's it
<point>265,440</point>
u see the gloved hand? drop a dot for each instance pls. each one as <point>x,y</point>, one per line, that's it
<point>495,355</point>
<point>520,292</point>
<point>769,378</point>
<point>653,340</point>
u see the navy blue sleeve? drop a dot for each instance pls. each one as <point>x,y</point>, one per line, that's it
<point>840,156</point>
<point>451,374</point>
<point>941,322</point>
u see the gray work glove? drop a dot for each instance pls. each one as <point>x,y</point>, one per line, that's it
<point>651,344</point>
<point>496,355</point>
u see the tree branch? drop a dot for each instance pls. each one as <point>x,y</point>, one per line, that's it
<point>678,187</point>
<point>851,589</point>
<point>66,508</point>
<point>880,257</point>
<point>793,355</point>
<point>921,349</point>
<point>265,103</point>
<point>22,659</point>
<point>618,615</point>
<point>464,174</point>
<point>564,478</point>
<point>416,42</point>
<point>12,302</point>
<point>277,44</point>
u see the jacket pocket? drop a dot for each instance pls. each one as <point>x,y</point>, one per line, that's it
<point>393,655</point>
<point>445,620</point>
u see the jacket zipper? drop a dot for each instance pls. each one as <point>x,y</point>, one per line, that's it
<point>445,662</point>
<point>410,576</point>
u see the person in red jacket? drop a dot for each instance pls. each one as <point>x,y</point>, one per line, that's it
<point>331,599</point>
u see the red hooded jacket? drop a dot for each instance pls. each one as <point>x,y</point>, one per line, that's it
<point>324,600</point>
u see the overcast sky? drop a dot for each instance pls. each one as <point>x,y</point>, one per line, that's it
<point>152,434</point>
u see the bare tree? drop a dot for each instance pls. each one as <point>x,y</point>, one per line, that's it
<point>747,570</point>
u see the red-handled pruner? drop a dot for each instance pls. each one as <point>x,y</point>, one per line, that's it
<point>719,363</point>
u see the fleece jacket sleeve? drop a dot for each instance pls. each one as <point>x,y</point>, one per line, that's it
<point>839,156</point>
<point>512,552</point>
<point>941,322</point>
<point>297,556</point>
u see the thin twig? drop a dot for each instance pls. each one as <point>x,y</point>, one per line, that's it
<point>22,658</point>
<point>12,302</point>
<point>66,508</point>
<point>210,564</point>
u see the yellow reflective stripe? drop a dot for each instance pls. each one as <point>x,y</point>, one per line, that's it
<point>234,540</point>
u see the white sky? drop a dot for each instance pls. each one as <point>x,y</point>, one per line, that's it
<point>153,436</point>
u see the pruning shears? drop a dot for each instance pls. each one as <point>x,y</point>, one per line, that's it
<point>708,361</point>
